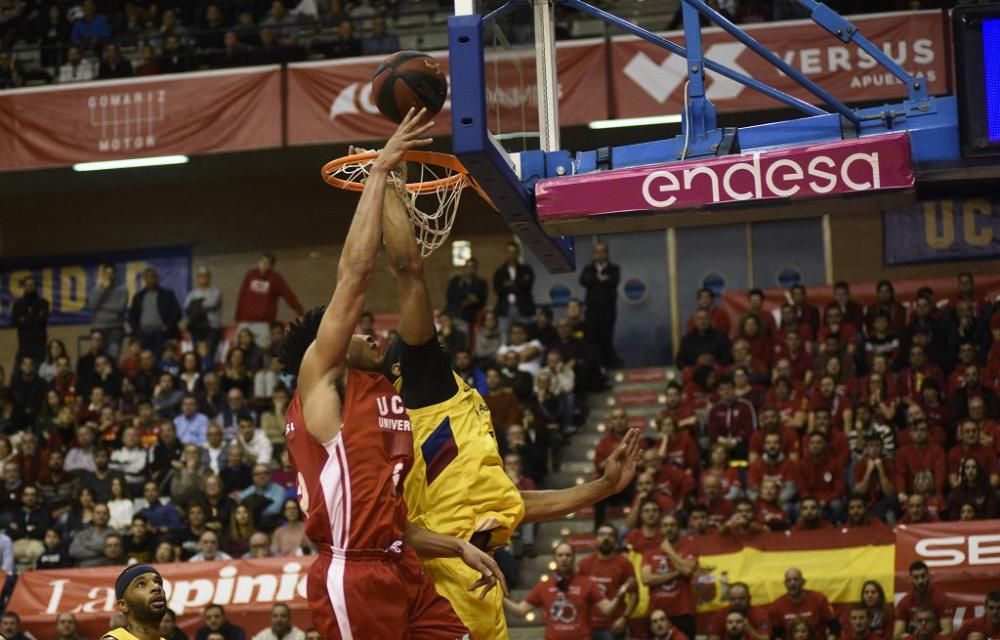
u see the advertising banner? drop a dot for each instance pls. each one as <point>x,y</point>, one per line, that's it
<point>65,280</point>
<point>796,173</point>
<point>331,101</point>
<point>652,79</point>
<point>185,113</point>
<point>936,230</point>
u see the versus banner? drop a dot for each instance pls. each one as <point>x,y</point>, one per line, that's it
<point>814,171</point>
<point>65,280</point>
<point>245,588</point>
<point>936,230</point>
<point>168,114</point>
<point>331,101</point>
<point>652,80</point>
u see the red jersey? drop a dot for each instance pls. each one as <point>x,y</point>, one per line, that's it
<point>674,482</point>
<point>640,542</point>
<point>737,419</point>
<point>934,600</point>
<point>682,451</point>
<point>351,487</point>
<point>609,574</point>
<point>675,597</point>
<point>567,613</point>
<point>978,625</point>
<point>814,607</point>
<point>760,470</point>
<point>875,493</point>
<point>912,459</point>
<point>985,456</point>
<point>822,479</point>
<point>258,298</point>
<point>771,515</point>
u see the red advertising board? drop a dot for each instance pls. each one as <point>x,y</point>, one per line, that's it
<point>245,588</point>
<point>331,101</point>
<point>187,113</point>
<point>651,80</point>
<point>812,171</point>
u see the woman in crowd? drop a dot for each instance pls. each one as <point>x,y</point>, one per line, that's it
<point>120,505</point>
<point>241,527</point>
<point>973,488</point>
<point>290,538</point>
<point>880,612</point>
<point>190,375</point>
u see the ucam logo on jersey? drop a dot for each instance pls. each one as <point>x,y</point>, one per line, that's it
<point>814,171</point>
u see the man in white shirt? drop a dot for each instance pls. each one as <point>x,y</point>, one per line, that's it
<point>208,545</point>
<point>130,460</point>
<point>214,453</point>
<point>529,352</point>
<point>281,625</point>
<point>254,441</point>
<point>77,68</point>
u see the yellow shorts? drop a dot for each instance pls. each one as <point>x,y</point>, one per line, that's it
<point>484,618</point>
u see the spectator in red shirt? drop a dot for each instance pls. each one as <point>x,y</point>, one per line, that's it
<point>852,312</point>
<point>669,479</point>
<point>772,465</point>
<point>719,508</point>
<point>660,627</point>
<point>609,569</point>
<point>822,477</point>
<point>917,511</point>
<point>804,312</point>
<point>789,401</point>
<point>566,600</point>
<point>257,304</point>
<point>737,627</point>
<point>677,447</point>
<point>730,480</point>
<point>799,602</point>
<point>859,624</point>
<point>926,626</point>
<point>755,300</point>
<point>645,489</point>
<point>698,521</point>
<point>919,369</point>
<point>969,446</point>
<point>989,430</point>
<point>617,428</point>
<point>826,398</point>
<point>811,516</point>
<point>888,305</point>
<point>973,489</point>
<point>743,522</point>
<point>793,349</point>
<point>768,423</point>
<point>873,478</point>
<point>674,407</point>
<point>988,626</point>
<point>833,322</point>
<point>922,595</point>
<point>919,455</point>
<point>880,613</point>
<point>771,512</point>
<point>881,341</point>
<point>717,315</point>
<point>667,570</point>
<point>757,628</point>
<point>967,356</point>
<point>915,413</point>
<point>732,421</point>
<point>647,536</point>
<point>858,516</point>
<point>760,343</point>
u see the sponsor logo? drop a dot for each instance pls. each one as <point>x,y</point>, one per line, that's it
<point>761,176</point>
<point>127,121</point>
<point>953,551</point>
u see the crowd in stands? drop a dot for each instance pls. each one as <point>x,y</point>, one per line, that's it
<point>62,41</point>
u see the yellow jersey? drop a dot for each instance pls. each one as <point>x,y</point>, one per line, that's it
<point>121,633</point>
<point>457,485</point>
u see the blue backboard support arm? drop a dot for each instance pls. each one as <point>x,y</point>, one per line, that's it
<point>480,155</point>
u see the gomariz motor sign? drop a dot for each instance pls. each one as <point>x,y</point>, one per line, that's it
<point>876,163</point>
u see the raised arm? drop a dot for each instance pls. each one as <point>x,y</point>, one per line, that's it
<point>357,260</point>
<point>618,473</point>
<point>416,316</point>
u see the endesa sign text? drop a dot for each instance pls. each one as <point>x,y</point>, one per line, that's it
<point>814,171</point>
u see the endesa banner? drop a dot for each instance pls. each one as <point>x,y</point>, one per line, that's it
<point>814,171</point>
<point>246,589</point>
<point>936,230</point>
<point>331,100</point>
<point>184,113</point>
<point>65,280</point>
<point>652,80</point>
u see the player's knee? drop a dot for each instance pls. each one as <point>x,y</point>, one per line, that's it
<point>408,266</point>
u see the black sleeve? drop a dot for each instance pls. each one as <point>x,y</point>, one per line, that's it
<point>427,375</point>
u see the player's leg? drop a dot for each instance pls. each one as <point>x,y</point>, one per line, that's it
<point>416,315</point>
<point>431,615</point>
<point>348,599</point>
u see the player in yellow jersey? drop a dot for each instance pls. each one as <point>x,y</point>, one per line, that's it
<point>140,596</point>
<point>457,485</point>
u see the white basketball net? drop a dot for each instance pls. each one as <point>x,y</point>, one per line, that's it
<point>431,224</point>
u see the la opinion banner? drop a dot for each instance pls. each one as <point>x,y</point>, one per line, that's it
<point>160,115</point>
<point>331,101</point>
<point>246,589</point>
<point>936,230</point>
<point>65,280</point>
<point>652,80</point>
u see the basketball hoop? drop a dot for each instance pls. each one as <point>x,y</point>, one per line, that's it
<point>441,179</point>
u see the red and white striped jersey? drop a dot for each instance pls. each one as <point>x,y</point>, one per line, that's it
<point>351,488</point>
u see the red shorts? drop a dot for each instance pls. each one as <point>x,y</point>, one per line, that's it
<point>360,595</point>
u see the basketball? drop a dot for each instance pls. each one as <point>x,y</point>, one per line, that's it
<point>409,79</point>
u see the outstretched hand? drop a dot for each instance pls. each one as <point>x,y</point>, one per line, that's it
<point>622,463</point>
<point>409,135</point>
<point>490,574</point>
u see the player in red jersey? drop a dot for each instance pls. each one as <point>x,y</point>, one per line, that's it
<point>349,438</point>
